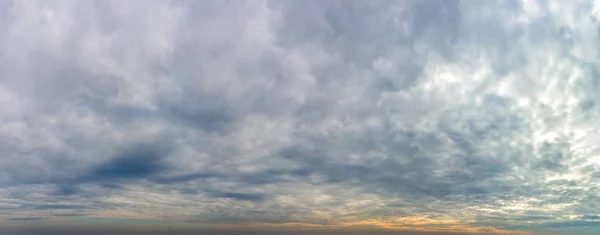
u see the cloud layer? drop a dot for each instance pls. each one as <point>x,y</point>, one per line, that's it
<point>437,115</point>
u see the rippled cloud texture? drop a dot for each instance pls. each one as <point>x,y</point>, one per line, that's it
<point>466,116</point>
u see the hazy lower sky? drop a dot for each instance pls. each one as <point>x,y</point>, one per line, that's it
<point>300,115</point>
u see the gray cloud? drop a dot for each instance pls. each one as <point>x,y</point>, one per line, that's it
<point>433,114</point>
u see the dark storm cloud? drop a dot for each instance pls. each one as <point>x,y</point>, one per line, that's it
<point>138,163</point>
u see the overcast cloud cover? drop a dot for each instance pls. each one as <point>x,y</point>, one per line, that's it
<point>472,116</point>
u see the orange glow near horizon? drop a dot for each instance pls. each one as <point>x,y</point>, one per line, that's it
<point>369,224</point>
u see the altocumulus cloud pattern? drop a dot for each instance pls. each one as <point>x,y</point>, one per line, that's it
<point>465,116</point>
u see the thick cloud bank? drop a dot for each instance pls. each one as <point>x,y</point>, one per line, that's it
<point>440,115</point>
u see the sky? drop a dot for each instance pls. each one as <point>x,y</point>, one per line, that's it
<point>339,116</point>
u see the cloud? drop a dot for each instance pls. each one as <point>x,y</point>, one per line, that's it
<point>444,115</point>
<point>139,163</point>
<point>241,196</point>
<point>69,215</point>
<point>25,219</point>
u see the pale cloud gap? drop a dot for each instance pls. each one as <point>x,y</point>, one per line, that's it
<point>442,114</point>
